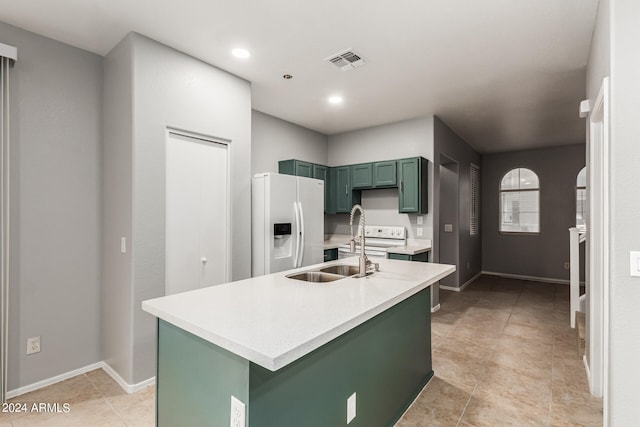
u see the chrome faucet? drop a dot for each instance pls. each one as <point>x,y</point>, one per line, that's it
<point>364,261</point>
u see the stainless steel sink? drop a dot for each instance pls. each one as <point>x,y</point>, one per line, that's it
<point>315,276</point>
<point>342,269</point>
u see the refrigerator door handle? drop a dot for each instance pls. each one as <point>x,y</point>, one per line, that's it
<point>302,234</point>
<point>298,235</point>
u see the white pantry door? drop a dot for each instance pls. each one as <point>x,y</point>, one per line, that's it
<point>197,206</point>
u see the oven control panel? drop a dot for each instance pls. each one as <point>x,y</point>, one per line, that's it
<point>385,232</point>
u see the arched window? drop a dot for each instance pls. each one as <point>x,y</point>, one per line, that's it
<point>520,202</point>
<point>581,197</point>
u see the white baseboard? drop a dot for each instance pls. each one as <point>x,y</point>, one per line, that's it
<point>435,308</point>
<point>588,371</point>
<point>129,388</point>
<point>523,277</point>
<point>53,380</point>
<point>464,285</point>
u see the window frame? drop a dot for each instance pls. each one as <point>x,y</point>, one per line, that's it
<point>519,190</point>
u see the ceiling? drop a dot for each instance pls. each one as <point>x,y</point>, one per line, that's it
<point>505,75</point>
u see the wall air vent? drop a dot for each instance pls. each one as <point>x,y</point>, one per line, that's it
<point>346,60</point>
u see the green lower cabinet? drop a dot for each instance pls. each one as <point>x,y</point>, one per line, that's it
<point>330,254</point>
<point>421,257</point>
<point>386,361</point>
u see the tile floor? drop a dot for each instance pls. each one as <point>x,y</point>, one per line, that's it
<point>503,355</point>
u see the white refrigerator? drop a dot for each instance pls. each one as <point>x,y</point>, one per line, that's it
<point>287,222</point>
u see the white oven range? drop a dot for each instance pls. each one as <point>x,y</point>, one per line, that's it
<point>377,240</point>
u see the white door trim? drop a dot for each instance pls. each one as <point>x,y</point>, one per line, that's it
<point>599,243</point>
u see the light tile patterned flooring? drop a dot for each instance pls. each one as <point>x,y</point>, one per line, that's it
<point>503,355</point>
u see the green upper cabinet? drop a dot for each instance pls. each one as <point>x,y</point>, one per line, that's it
<point>412,185</point>
<point>296,167</point>
<point>362,175</point>
<point>385,174</point>
<point>343,184</point>
<point>343,196</point>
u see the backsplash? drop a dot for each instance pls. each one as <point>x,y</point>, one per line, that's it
<point>381,208</point>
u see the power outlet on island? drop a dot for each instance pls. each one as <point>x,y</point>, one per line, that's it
<point>237,413</point>
<point>351,408</point>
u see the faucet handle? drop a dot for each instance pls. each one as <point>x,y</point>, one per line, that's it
<point>376,266</point>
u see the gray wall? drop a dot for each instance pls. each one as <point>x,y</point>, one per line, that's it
<point>540,255</point>
<point>274,139</point>
<point>448,144</point>
<point>117,305</point>
<point>175,90</point>
<point>56,107</point>
<point>625,208</point>
<point>398,140</point>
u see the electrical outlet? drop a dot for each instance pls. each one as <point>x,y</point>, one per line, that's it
<point>33,345</point>
<point>567,265</point>
<point>468,265</point>
<point>237,413</point>
<point>351,408</point>
<point>419,231</point>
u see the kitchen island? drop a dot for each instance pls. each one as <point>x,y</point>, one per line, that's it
<point>293,352</point>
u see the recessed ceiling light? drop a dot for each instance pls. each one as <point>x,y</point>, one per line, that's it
<point>240,53</point>
<point>335,99</point>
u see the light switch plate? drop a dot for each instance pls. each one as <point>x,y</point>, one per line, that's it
<point>634,263</point>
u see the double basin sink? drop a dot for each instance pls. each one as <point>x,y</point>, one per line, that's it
<point>326,274</point>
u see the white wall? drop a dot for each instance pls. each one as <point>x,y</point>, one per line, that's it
<point>171,89</point>
<point>625,209</point>
<point>56,107</point>
<point>274,139</point>
<point>409,138</point>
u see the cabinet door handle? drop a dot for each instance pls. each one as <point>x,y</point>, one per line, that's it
<point>346,189</point>
<point>402,186</point>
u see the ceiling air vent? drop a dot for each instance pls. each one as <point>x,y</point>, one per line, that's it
<point>346,60</point>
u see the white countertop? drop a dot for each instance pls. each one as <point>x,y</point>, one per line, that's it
<point>413,247</point>
<point>273,320</point>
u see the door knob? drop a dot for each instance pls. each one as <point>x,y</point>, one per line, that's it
<point>203,259</point>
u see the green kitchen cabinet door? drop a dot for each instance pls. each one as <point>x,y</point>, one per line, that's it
<point>421,257</point>
<point>362,175</point>
<point>322,172</point>
<point>385,174</point>
<point>296,167</point>
<point>330,254</point>
<point>343,195</point>
<point>412,185</point>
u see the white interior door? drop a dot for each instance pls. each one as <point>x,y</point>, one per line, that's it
<point>197,201</point>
